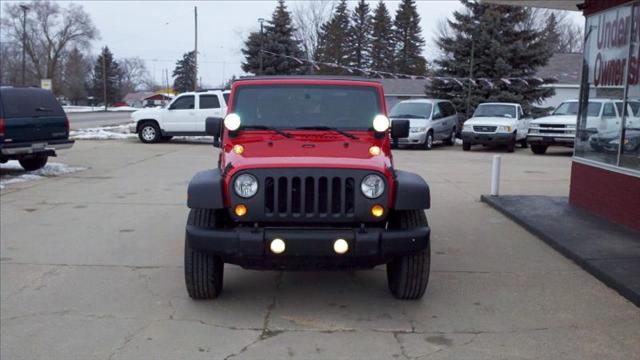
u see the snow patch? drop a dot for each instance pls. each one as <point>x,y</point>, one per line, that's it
<point>82,109</point>
<point>12,172</point>
<point>103,133</point>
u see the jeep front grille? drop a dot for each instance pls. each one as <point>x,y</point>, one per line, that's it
<point>309,196</point>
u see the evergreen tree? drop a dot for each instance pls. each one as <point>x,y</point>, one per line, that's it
<point>278,38</point>
<point>382,40</point>
<point>502,48</point>
<point>184,73</point>
<point>75,77</point>
<point>551,33</point>
<point>334,40</point>
<point>409,59</point>
<point>111,71</point>
<point>360,36</point>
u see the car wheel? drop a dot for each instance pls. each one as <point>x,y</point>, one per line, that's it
<point>466,146</point>
<point>408,276</point>
<point>511,146</point>
<point>149,133</point>
<point>428,141</point>
<point>203,271</point>
<point>539,149</point>
<point>34,163</point>
<point>452,138</point>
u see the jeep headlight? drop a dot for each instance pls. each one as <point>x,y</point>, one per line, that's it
<point>506,129</point>
<point>418,129</point>
<point>372,186</point>
<point>246,185</point>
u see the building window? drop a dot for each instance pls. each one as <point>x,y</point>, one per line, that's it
<point>611,78</point>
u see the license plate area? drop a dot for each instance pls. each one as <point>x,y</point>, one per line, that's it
<point>309,242</point>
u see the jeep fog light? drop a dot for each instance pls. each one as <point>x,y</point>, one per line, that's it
<point>372,186</point>
<point>277,246</point>
<point>340,246</point>
<point>246,185</point>
<point>240,210</point>
<point>381,123</point>
<point>374,150</point>
<point>238,149</point>
<point>232,122</point>
<point>377,210</point>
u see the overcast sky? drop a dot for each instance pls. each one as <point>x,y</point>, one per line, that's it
<point>161,31</point>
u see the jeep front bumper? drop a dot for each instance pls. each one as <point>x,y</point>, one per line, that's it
<point>307,248</point>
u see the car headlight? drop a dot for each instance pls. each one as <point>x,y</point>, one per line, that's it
<point>246,185</point>
<point>467,127</point>
<point>504,129</point>
<point>418,129</point>
<point>372,186</point>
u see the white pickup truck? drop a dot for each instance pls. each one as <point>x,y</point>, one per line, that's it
<point>184,116</point>
<point>559,129</point>
<point>496,124</point>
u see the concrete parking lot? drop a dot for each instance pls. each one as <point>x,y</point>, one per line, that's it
<point>91,268</point>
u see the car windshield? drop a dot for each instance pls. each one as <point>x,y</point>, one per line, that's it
<point>571,108</point>
<point>634,105</point>
<point>296,106</point>
<point>495,110</point>
<point>411,110</point>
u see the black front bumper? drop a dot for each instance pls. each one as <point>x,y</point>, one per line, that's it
<point>308,248</point>
<point>487,139</point>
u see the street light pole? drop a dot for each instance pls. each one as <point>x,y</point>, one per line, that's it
<point>104,80</point>
<point>24,41</point>
<point>261,21</point>
<point>195,55</point>
<point>473,48</point>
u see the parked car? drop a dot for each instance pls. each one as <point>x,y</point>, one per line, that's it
<point>33,126</point>
<point>305,180</point>
<point>184,116</point>
<point>559,129</point>
<point>496,124</point>
<point>608,141</point>
<point>430,119</point>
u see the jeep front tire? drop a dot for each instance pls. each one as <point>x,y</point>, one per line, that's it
<point>408,276</point>
<point>203,271</point>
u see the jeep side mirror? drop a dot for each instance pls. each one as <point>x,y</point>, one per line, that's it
<point>213,127</point>
<point>399,129</point>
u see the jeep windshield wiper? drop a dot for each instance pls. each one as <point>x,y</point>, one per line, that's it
<point>264,127</point>
<point>328,128</point>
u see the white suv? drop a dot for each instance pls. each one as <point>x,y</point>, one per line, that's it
<point>496,124</point>
<point>184,116</point>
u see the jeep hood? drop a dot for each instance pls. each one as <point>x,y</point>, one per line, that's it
<point>326,150</point>
<point>490,121</point>
<point>556,120</point>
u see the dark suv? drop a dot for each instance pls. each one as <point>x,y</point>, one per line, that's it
<point>305,180</point>
<point>32,126</point>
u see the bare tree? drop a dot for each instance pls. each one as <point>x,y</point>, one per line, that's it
<point>133,74</point>
<point>50,31</point>
<point>308,17</point>
<point>571,34</point>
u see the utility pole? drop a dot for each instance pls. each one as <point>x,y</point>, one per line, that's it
<point>24,42</point>
<point>195,55</point>
<point>104,80</point>
<point>261,21</point>
<point>473,48</point>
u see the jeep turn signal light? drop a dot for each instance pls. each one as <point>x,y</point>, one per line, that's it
<point>277,246</point>
<point>238,149</point>
<point>240,210</point>
<point>377,210</point>
<point>374,150</point>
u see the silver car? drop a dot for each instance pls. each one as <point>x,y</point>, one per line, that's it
<point>430,120</point>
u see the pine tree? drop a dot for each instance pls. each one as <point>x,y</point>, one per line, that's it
<point>502,48</point>
<point>184,73</point>
<point>278,38</point>
<point>551,34</point>
<point>334,40</point>
<point>409,59</point>
<point>75,73</point>
<point>111,74</point>
<point>382,40</point>
<point>360,36</point>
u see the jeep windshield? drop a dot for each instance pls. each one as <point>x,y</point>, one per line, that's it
<point>411,111</point>
<point>571,108</point>
<point>495,110</point>
<point>314,107</point>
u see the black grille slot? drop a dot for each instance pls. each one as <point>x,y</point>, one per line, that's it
<point>485,128</point>
<point>269,195</point>
<point>552,126</point>
<point>350,196</point>
<point>309,195</point>
<point>296,198</point>
<point>282,195</point>
<point>322,195</point>
<point>336,195</point>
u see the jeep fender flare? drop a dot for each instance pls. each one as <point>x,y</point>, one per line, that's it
<point>206,190</point>
<point>412,192</point>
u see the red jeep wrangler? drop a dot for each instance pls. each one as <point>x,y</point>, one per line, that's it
<point>305,180</point>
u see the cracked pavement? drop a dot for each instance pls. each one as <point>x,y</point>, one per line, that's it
<point>91,268</point>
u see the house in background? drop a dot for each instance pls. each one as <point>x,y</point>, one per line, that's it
<point>160,99</point>
<point>396,90</point>
<point>136,99</point>
<point>565,68</point>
